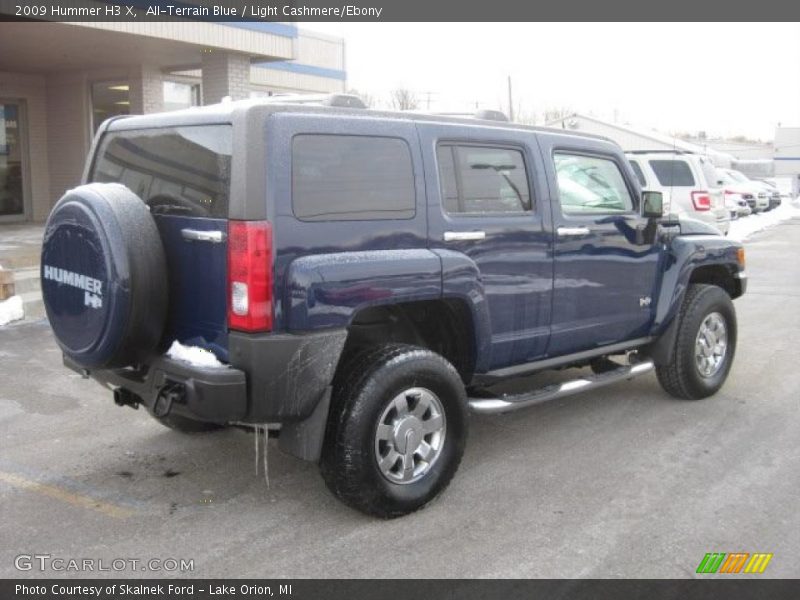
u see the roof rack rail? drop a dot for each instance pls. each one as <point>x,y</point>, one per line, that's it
<point>482,114</point>
<point>662,151</point>
<point>491,115</point>
<point>337,100</point>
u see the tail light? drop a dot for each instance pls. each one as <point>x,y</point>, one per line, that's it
<point>250,275</point>
<point>701,201</point>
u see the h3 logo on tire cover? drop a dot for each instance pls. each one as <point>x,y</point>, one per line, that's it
<point>92,288</point>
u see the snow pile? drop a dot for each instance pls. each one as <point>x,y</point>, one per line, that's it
<point>198,357</point>
<point>11,310</point>
<point>743,228</point>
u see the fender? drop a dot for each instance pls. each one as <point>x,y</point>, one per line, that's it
<point>461,279</point>
<point>685,254</point>
<point>325,291</point>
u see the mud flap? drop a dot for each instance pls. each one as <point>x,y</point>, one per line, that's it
<point>303,439</point>
<point>663,348</point>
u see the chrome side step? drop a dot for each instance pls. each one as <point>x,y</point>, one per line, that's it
<point>493,406</point>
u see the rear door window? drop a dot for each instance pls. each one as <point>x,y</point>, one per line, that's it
<point>673,173</point>
<point>351,178</point>
<point>483,179</point>
<point>180,171</point>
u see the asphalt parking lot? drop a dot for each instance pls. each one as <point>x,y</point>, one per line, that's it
<point>623,482</point>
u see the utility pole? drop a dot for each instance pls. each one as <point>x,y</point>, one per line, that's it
<point>510,101</point>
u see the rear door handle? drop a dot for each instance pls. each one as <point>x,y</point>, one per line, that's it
<point>464,236</point>
<point>567,231</point>
<point>198,235</point>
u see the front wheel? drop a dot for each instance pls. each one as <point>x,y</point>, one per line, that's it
<point>704,345</point>
<point>397,430</point>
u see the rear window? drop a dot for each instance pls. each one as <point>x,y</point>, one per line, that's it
<point>351,178</point>
<point>673,173</point>
<point>179,171</point>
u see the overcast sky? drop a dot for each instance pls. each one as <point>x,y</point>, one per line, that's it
<point>725,79</point>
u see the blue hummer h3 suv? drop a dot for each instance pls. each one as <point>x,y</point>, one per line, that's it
<point>362,279</point>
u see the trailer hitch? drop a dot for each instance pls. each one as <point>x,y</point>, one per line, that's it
<point>125,397</point>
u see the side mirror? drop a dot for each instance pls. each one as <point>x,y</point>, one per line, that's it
<point>652,205</point>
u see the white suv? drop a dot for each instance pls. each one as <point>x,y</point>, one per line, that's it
<point>687,181</point>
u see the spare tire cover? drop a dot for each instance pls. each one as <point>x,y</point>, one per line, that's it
<point>104,279</point>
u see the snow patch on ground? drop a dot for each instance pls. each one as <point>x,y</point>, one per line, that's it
<point>11,310</point>
<point>198,357</point>
<point>743,228</point>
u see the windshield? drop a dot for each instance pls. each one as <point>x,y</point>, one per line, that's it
<point>724,177</point>
<point>738,176</point>
<point>178,170</point>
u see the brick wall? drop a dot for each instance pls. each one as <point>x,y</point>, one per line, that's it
<point>146,90</point>
<point>68,113</point>
<point>225,74</point>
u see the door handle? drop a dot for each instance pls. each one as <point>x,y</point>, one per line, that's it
<point>565,231</point>
<point>198,235</point>
<point>464,236</point>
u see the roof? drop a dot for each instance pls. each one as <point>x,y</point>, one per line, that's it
<point>226,111</point>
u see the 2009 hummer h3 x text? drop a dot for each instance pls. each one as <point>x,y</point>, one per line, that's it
<point>363,278</point>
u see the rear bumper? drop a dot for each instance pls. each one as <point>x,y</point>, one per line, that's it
<point>272,378</point>
<point>208,394</point>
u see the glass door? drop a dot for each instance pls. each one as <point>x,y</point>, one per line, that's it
<point>12,184</point>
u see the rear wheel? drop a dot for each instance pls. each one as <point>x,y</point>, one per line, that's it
<point>397,430</point>
<point>704,345</point>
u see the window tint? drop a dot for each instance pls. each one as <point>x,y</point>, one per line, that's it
<point>477,179</point>
<point>591,185</point>
<point>673,173</point>
<point>639,174</point>
<point>181,171</point>
<point>447,177</point>
<point>351,178</point>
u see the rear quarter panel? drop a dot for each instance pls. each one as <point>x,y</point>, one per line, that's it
<point>325,271</point>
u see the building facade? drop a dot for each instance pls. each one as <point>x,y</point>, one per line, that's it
<point>59,81</point>
<point>787,155</point>
<point>633,138</point>
<point>757,160</point>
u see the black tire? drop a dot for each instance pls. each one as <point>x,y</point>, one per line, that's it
<point>362,394</point>
<point>682,377</point>
<point>104,276</point>
<point>186,425</point>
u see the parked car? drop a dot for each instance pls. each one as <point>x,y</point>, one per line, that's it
<point>772,191</point>
<point>357,280</point>
<point>739,199</point>
<point>782,184</point>
<point>737,206</point>
<point>687,181</point>
<point>759,190</point>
